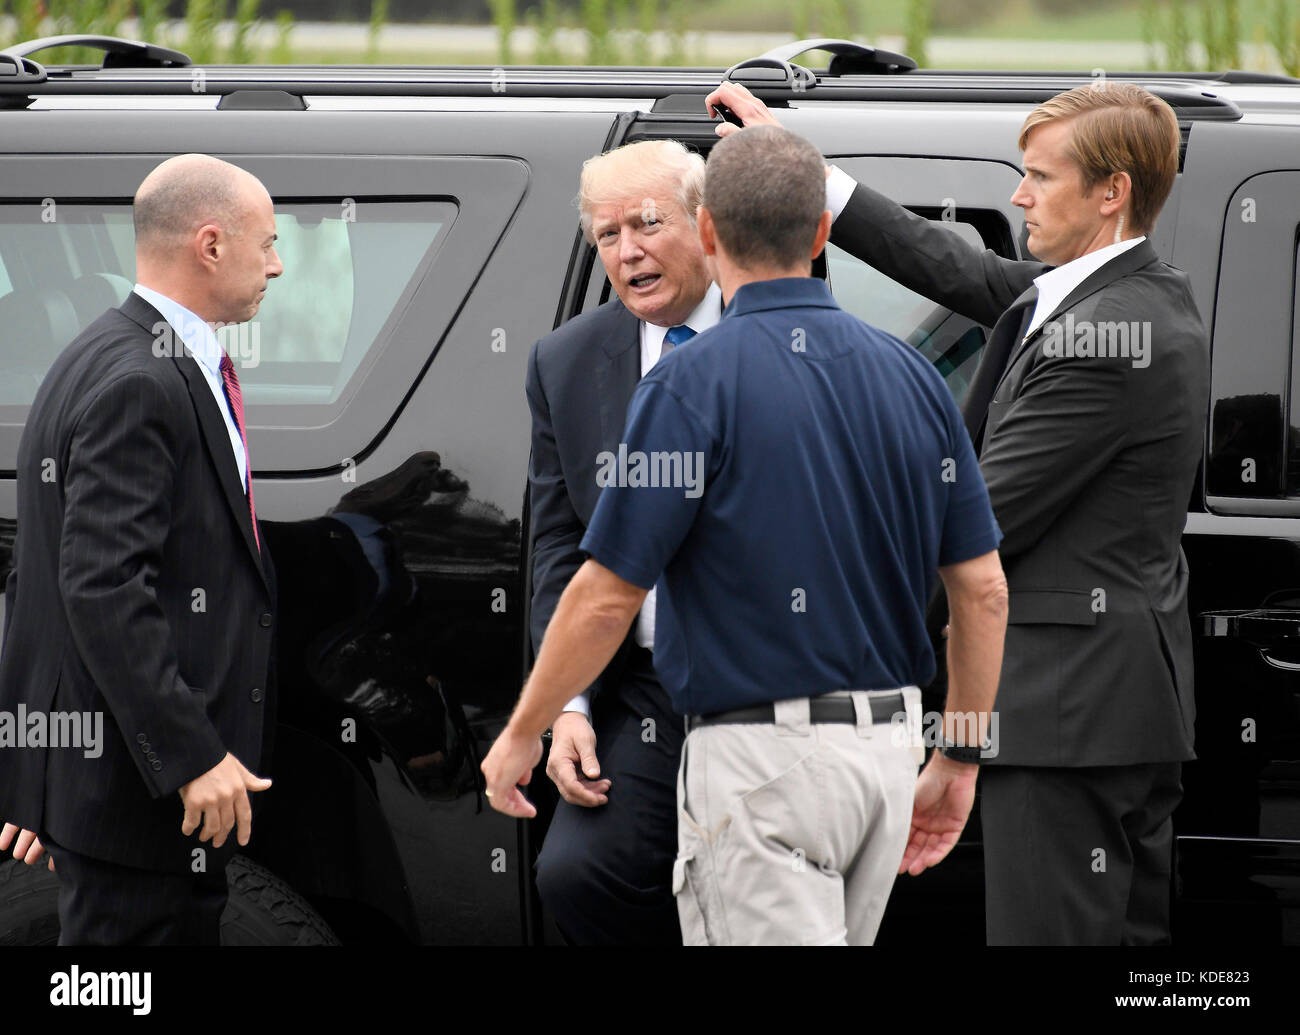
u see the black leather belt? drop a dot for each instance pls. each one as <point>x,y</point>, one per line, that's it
<point>821,709</point>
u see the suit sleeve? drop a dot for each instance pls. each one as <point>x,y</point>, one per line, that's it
<point>118,483</point>
<point>928,259</point>
<point>1067,423</point>
<point>556,529</point>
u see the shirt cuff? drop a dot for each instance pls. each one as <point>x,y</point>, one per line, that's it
<point>580,704</point>
<point>839,188</point>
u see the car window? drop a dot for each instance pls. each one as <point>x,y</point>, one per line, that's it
<point>952,343</point>
<point>346,265</point>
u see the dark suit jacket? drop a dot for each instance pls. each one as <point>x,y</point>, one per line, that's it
<point>580,380</point>
<point>137,592</point>
<point>1089,464</point>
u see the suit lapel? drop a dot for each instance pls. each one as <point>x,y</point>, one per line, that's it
<point>618,374</point>
<point>995,360</point>
<point>1134,259</point>
<point>212,426</point>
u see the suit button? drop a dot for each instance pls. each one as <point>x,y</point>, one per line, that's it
<point>265,620</point>
<point>256,695</point>
<point>140,738</point>
<point>156,765</point>
<point>146,748</point>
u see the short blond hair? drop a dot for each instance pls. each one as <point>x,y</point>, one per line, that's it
<point>1118,127</point>
<point>637,171</point>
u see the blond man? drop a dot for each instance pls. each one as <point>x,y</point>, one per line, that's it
<point>1087,411</point>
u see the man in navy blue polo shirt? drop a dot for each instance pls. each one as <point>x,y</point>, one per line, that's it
<point>792,479</point>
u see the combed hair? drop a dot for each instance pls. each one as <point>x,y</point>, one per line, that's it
<point>638,171</point>
<point>1118,127</point>
<point>765,188</point>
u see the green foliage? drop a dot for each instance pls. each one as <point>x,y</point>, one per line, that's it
<point>29,14</point>
<point>1221,34</point>
<point>546,52</point>
<point>241,51</point>
<point>503,17</point>
<point>676,33</point>
<point>1286,36</point>
<point>647,16</point>
<point>1149,20</point>
<point>919,20</point>
<point>201,18</point>
<point>1178,39</point>
<point>281,53</point>
<point>600,43</point>
<point>149,17</point>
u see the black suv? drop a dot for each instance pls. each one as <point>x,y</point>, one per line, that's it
<point>429,235</point>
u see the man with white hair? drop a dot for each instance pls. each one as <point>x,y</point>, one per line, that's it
<point>141,592</point>
<point>605,871</point>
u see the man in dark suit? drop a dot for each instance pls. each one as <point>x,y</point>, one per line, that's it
<point>1089,406</point>
<point>605,870</point>
<point>140,591</point>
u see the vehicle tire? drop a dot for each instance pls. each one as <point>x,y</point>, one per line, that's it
<point>262,909</point>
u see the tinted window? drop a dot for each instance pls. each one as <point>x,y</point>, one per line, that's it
<point>951,342</point>
<point>346,265</point>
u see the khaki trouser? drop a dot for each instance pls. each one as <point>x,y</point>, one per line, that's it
<point>791,833</point>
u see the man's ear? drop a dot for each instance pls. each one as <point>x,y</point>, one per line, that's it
<point>823,233</point>
<point>1115,193</point>
<point>708,234</point>
<point>207,246</point>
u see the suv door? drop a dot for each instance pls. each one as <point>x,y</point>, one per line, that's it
<point>1238,846</point>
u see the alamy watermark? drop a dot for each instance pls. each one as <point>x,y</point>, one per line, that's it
<point>659,469</point>
<point>1090,339</point>
<point>37,729</point>
<point>965,727</point>
<point>242,342</point>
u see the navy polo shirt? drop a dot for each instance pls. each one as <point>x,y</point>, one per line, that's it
<point>796,477</point>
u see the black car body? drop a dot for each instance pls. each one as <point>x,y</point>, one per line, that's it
<point>429,238</point>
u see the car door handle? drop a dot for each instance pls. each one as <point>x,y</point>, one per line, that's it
<point>1263,628</point>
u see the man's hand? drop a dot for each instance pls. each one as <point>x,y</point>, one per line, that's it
<point>572,765</point>
<point>219,798</point>
<point>748,108</point>
<point>945,792</point>
<point>28,848</point>
<point>511,762</point>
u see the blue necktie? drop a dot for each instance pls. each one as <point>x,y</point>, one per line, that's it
<point>675,336</point>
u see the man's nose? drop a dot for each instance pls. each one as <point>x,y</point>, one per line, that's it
<point>1022,197</point>
<point>629,248</point>
<point>275,267</point>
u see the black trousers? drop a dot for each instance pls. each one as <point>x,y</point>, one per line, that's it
<point>605,873</point>
<point>104,903</point>
<point>1078,856</point>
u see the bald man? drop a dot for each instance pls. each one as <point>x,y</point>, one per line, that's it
<point>141,599</point>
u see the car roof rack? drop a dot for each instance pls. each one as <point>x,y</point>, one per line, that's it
<point>777,69</point>
<point>118,52</point>
<point>856,72</point>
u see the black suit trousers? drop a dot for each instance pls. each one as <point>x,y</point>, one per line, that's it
<point>106,903</point>
<point>1078,855</point>
<point>605,873</point>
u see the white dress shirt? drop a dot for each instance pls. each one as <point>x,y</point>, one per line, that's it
<point>702,317</point>
<point>1055,285</point>
<point>202,344</point>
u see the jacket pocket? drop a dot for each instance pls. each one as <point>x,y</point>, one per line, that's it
<point>1051,607</point>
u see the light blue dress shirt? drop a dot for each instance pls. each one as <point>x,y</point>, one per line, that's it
<point>202,344</point>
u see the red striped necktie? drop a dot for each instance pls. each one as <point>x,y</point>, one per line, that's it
<point>236,399</point>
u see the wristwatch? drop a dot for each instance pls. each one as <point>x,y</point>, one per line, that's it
<point>958,753</point>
